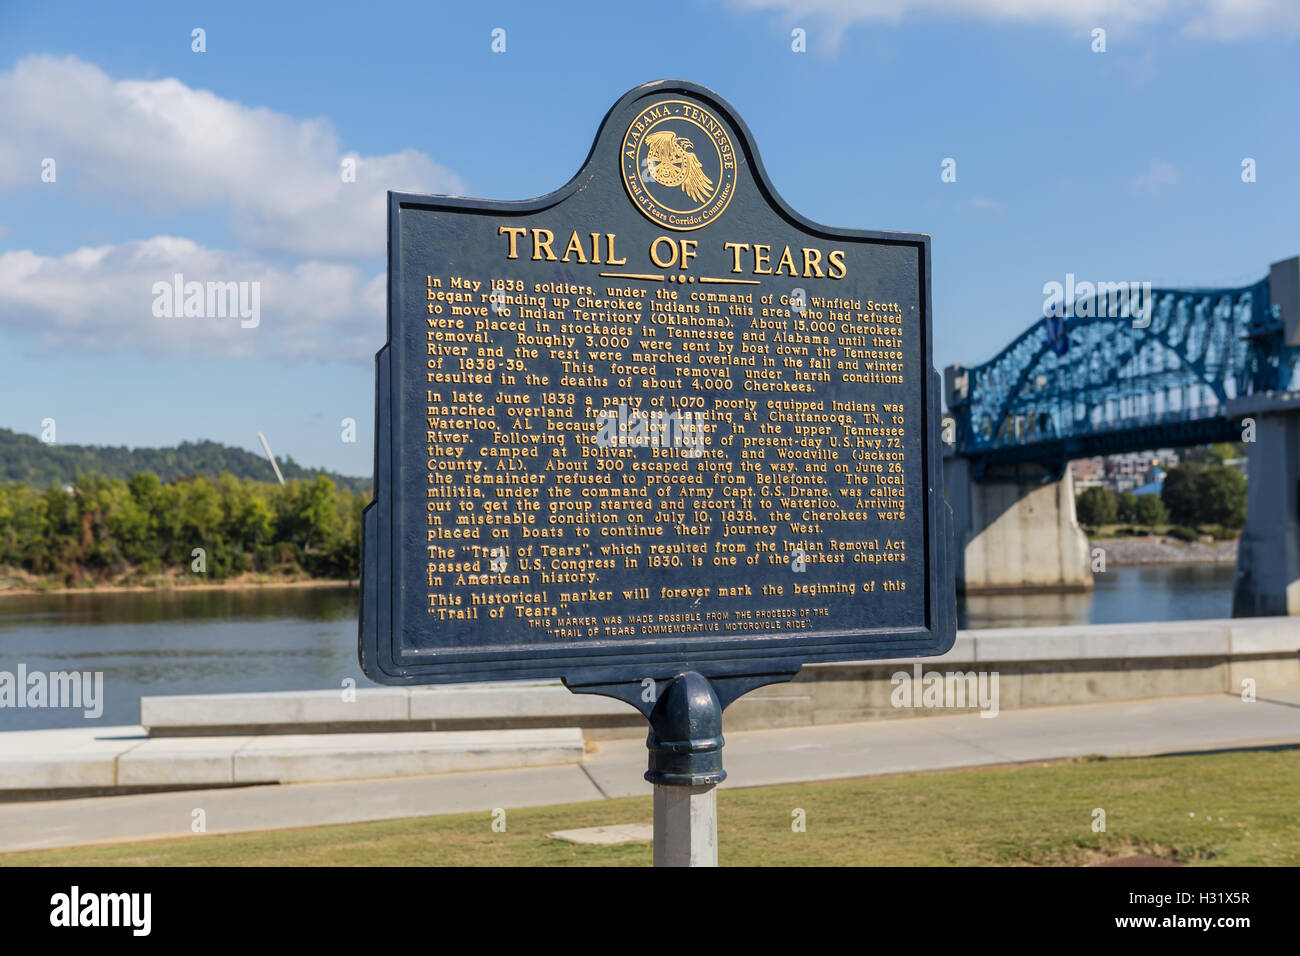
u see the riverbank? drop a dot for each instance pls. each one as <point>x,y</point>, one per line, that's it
<point>1160,549</point>
<point>18,583</point>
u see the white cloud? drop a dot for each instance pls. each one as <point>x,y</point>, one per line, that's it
<point>981,204</point>
<point>101,298</point>
<point>1230,19</point>
<point>174,148</point>
<point>1159,176</point>
<point>1224,19</point>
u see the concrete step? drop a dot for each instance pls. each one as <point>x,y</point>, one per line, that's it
<point>43,762</point>
<point>444,708</point>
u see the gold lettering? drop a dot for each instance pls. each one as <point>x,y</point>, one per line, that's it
<point>539,244</point>
<point>574,246</point>
<point>836,259</point>
<point>812,259</point>
<point>654,252</point>
<point>609,251</point>
<point>512,234</point>
<point>786,260</point>
<point>736,249</point>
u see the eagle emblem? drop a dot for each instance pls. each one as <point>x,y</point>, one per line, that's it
<point>671,161</point>
<point>673,184</point>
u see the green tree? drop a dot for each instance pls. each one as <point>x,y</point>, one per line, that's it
<point>1096,506</point>
<point>1180,494</point>
<point>1126,507</point>
<point>1151,511</point>
<point>102,527</point>
<point>1197,495</point>
<point>1222,495</point>
<point>26,459</point>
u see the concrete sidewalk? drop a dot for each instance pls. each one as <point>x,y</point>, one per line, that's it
<point>107,758</point>
<point>752,758</point>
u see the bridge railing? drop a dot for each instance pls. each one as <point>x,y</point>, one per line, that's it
<point>1166,362</point>
<point>1026,434</point>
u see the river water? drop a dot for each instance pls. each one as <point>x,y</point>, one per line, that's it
<point>210,642</point>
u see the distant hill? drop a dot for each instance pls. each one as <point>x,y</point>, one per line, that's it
<point>26,459</point>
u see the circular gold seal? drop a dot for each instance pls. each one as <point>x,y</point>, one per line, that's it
<point>679,164</point>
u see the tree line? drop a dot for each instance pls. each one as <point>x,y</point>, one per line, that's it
<point>1193,495</point>
<point>27,459</point>
<point>110,529</point>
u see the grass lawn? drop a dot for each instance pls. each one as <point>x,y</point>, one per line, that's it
<point>1110,532</point>
<point>1126,532</point>
<point>1228,809</point>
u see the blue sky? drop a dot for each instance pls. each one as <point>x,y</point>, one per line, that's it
<point>1122,165</point>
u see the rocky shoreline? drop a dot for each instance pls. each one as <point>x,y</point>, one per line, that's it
<point>21,584</point>
<point>1159,549</point>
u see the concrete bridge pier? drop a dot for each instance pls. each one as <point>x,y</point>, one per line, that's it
<point>1268,554</point>
<point>1015,529</point>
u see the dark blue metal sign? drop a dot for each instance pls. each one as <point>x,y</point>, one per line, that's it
<point>653,422</point>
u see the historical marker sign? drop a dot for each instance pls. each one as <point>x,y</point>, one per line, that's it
<point>653,421</point>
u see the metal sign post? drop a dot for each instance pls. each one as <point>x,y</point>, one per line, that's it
<point>685,749</point>
<point>685,746</point>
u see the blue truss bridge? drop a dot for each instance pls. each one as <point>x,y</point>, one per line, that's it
<point>1154,369</point>
<point>1145,368</point>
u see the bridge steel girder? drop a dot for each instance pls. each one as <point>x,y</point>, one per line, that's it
<point>1055,455</point>
<point>1048,398</point>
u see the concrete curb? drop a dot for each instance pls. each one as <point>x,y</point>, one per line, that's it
<point>121,758</point>
<point>398,708</point>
